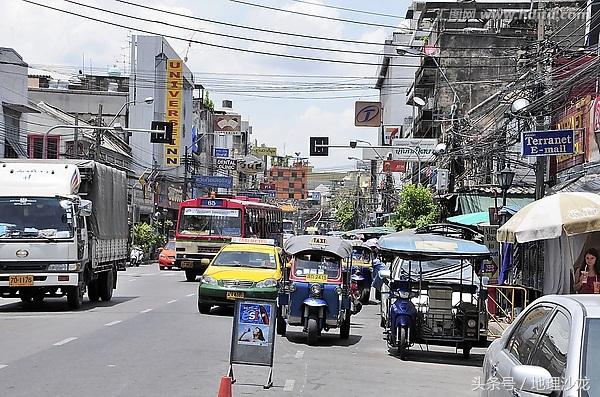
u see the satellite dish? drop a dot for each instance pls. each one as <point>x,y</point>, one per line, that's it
<point>519,105</point>
<point>419,101</point>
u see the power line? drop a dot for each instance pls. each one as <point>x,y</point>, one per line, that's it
<point>349,9</point>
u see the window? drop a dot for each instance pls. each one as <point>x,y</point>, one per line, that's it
<point>527,333</point>
<point>552,351</point>
<point>36,146</point>
<point>291,195</point>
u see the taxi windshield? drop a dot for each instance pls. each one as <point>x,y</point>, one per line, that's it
<point>317,263</point>
<point>261,260</point>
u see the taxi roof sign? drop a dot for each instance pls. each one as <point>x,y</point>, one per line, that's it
<point>251,240</point>
<point>319,241</point>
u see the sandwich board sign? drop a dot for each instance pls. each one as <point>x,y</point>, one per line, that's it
<point>253,335</point>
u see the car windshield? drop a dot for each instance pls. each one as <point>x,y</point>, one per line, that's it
<point>317,263</point>
<point>35,217</point>
<point>591,363</point>
<point>210,222</point>
<point>261,260</point>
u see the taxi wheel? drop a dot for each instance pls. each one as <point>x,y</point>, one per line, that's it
<point>313,331</point>
<point>190,275</point>
<point>204,308</point>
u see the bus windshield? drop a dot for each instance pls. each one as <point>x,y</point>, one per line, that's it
<point>288,226</point>
<point>211,222</point>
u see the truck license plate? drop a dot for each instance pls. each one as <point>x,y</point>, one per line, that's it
<point>187,264</point>
<point>20,280</point>
<point>235,295</point>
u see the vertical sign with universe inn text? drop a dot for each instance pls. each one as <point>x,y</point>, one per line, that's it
<point>174,106</point>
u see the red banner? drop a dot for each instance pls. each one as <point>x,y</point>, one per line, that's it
<point>394,166</point>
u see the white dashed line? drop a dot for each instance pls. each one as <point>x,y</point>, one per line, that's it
<point>289,385</point>
<point>188,295</point>
<point>146,311</point>
<point>2,366</point>
<point>300,354</point>
<point>65,341</point>
<point>132,280</point>
<point>173,301</point>
<point>111,365</point>
<point>112,323</point>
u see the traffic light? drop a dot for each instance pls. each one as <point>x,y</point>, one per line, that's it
<point>164,132</point>
<point>319,146</point>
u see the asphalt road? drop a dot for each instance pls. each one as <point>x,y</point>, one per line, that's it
<point>150,340</point>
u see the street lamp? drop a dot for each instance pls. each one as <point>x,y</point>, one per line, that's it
<point>505,180</point>
<point>148,101</point>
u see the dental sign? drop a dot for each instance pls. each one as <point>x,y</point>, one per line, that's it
<point>547,143</point>
<point>367,114</point>
<point>174,110</point>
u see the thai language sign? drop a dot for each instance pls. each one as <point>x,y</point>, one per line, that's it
<point>225,182</point>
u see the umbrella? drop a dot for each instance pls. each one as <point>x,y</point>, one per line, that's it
<point>572,213</point>
<point>474,218</point>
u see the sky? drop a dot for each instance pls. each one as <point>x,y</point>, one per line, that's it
<point>272,92</point>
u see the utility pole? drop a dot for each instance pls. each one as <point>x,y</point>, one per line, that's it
<point>76,138</point>
<point>98,134</point>
<point>541,122</point>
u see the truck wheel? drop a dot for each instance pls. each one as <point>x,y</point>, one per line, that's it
<point>313,330</point>
<point>75,297</point>
<point>190,275</point>
<point>105,284</point>
<point>93,294</point>
<point>466,351</point>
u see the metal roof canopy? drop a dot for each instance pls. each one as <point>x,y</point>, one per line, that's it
<point>329,244</point>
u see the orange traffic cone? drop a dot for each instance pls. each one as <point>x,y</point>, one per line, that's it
<point>225,387</point>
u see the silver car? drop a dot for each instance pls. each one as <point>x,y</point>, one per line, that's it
<point>552,348</point>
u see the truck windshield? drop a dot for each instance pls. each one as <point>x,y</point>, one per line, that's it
<point>210,222</point>
<point>35,217</point>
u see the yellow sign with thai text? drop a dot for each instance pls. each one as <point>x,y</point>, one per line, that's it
<point>174,109</point>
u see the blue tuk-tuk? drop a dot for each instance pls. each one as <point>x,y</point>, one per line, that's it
<point>361,270</point>
<point>315,291</point>
<point>434,295</point>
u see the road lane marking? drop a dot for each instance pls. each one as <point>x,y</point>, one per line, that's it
<point>289,385</point>
<point>133,279</point>
<point>112,323</point>
<point>146,311</point>
<point>65,341</point>
<point>188,295</point>
<point>300,354</point>
<point>2,366</point>
<point>173,301</point>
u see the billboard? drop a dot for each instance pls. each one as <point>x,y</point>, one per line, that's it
<point>225,182</point>
<point>367,114</point>
<point>394,166</point>
<point>547,143</point>
<point>577,118</point>
<point>229,124</point>
<point>174,110</point>
<point>225,164</point>
<point>424,147</point>
<point>391,133</point>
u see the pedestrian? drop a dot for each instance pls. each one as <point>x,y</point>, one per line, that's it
<point>587,280</point>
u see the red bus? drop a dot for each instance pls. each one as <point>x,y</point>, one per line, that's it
<point>205,224</point>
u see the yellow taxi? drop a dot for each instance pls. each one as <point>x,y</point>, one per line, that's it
<point>246,268</point>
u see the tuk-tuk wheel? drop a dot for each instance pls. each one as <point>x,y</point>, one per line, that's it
<point>402,342</point>
<point>313,330</point>
<point>345,328</point>
<point>466,351</point>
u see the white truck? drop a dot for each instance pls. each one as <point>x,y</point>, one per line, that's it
<point>63,229</point>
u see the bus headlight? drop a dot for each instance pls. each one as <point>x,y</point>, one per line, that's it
<point>267,283</point>
<point>471,323</point>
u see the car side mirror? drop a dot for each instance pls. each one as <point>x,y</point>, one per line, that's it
<point>532,379</point>
<point>385,274</point>
<point>85,208</point>
<point>205,261</point>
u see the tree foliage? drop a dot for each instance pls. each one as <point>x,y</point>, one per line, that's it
<point>416,208</point>
<point>344,213</point>
<point>146,237</point>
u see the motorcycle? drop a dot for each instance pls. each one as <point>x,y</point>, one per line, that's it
<point>136,256</point>
<point>402,317</point>
<point>356,281</point>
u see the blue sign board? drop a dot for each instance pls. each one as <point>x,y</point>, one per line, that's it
<point>548,143</point>
<point>225,182</point>
<point>221,152</point>
<point>211,202</point>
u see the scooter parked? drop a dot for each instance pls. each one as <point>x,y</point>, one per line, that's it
<point>136,256</point>
<point>402,317</point>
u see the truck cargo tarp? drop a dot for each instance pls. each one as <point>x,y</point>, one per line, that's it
<point>108,194</point>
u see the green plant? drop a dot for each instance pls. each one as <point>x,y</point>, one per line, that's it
<point>344,213</point>
<point>416,208</point>
<point>207,102</point>
<point>145,236</point>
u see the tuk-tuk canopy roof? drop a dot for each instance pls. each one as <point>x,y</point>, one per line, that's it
<point>411,245</point>
<point>374,230</point>
<point>329,244</point>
